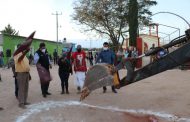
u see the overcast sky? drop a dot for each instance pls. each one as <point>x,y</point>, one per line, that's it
<point>36,15</point>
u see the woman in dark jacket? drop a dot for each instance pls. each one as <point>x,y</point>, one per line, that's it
<point>65,68</point>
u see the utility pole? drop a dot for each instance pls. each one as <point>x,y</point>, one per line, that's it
<point>57,14</point>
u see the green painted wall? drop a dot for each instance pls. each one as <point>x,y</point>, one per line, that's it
<point>10,41</point>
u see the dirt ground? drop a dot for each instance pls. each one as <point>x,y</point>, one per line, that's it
<point>162,98</point>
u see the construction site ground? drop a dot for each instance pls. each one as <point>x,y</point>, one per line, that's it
<point>161,98</point>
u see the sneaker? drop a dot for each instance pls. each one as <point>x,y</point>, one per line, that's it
<point>21,105</point>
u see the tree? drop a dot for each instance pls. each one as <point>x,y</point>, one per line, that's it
<point>138,16</point>
<point>9,30</point>
<point>106,17</point>
<point>133,21</point>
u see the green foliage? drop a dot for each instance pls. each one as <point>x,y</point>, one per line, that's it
<point>143,11</point>
<point>106,17</point>
<point>10,31</point>
<point>138,16</point>
<point>110,17</point>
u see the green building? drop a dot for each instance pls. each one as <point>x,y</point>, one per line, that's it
<point>10,42</point>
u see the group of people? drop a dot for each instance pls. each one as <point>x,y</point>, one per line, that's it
<point>158,55</point>
<point>1,64</point>
<point>21,68</point>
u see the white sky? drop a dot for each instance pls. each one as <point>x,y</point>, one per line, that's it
<point>29,15</point>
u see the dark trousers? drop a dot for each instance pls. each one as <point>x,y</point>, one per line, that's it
<point>44,88</point>
<point>64,76</point>
<point>16,87</point>
<point>91,62</point>
<point>112,87</point>
<point>55,60</point>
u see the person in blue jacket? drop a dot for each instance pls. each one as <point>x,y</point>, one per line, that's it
<point>106,56</point>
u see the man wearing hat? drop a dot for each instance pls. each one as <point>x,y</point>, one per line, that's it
<point>79,67</point>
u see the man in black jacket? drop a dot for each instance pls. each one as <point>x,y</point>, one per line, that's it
<point>41,57</point>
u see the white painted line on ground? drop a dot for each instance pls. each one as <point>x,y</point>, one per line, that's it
<point>47,105</point>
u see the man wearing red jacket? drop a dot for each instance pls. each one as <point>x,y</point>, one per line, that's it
<point>79,67</point>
